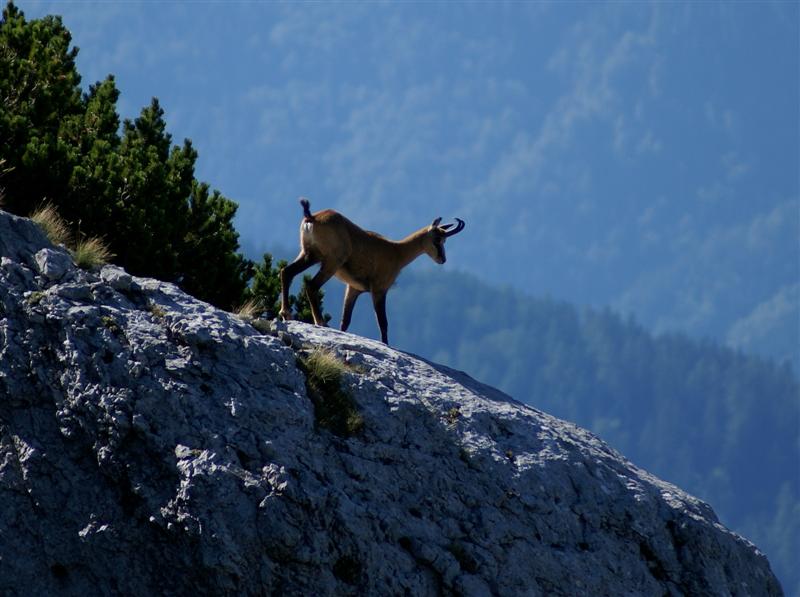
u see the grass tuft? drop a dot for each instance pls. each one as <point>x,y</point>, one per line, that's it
<point>52,224</point>
<point>91,253</point>
<point>334,409</point>
<point>249,310</point>
<point>325,367</point>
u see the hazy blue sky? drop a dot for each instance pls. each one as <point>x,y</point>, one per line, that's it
<point>638,155</point>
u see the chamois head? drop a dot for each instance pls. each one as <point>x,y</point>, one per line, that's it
<point>436,235</point>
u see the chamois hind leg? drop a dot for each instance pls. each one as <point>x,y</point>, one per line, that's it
<point>312,289</point>
<point>301,263</point>
<point>350,296</point>
<point>379,302</point>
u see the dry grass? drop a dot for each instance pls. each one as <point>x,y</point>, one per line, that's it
<point>249,310</point>
<point>334,408</point>
<point>52,224</point>
<point>324,366</point>
<point>90,253</point>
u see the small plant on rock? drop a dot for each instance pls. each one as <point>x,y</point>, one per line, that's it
<point>156,310</point>
<point>52,224</point>
<point>249,310</point>
<point>452,416</point>
<point>35,297</point>
<point>334,409</point>
<point>111,324</point>
<point>91,253</point>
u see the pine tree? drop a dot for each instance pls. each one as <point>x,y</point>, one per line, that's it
<point>209,263</point>
<point>39,90</point>
<point>266,289</point>
<point>131,187</point>
<point>95,181</point>
<point>266,286</point>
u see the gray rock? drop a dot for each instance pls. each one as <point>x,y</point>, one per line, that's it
<point>74,292</point>
<point>116,277</point>
<point>20,238</point>
<point>53,264</point>
<point>152,444</point>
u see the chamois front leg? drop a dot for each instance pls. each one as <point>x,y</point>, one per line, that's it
<point>379,303</point>
<point>301,263</point>
<point>350,296</point>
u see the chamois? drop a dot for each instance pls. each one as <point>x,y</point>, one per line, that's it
<point>364,260</point>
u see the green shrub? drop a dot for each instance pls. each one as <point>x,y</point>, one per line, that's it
<point>266,292</point>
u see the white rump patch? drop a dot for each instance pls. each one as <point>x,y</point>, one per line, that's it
<point>307,230</point>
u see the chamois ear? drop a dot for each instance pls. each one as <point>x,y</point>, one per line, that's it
<point>435,223</point>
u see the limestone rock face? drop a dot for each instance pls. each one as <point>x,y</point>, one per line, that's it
<point>151,444</point>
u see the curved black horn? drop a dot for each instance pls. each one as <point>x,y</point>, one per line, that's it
<point>459,226</point>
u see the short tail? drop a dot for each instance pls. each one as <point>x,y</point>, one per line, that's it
<point>306,208</point>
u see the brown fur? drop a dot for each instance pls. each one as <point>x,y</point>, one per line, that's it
<point>364,260</point>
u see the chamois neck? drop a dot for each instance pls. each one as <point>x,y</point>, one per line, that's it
<point>412,246</point>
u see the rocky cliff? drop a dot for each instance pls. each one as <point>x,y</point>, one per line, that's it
<point>151,444</point>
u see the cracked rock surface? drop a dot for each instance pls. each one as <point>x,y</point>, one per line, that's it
<point>152,444</point>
